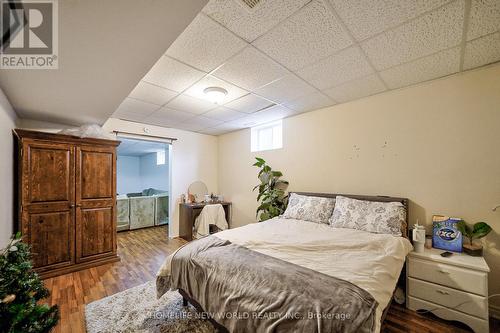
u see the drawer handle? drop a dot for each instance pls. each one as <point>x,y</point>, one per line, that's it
<point>442,292</point>
<point>443,271</point>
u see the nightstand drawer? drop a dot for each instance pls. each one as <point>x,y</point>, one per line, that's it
<point>477,324</point>
<point>448,275</point>
<point>457,300</point>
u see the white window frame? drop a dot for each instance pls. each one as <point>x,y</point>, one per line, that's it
<point>257,136</point>
<point>161,157</point>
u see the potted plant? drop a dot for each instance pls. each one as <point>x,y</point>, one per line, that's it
<point>477,231</point>
<point>272,197</point>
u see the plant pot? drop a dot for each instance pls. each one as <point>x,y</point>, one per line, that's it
<point>474,250</point>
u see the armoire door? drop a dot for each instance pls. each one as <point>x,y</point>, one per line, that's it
<point>95,202</point>
<point>47,203</point>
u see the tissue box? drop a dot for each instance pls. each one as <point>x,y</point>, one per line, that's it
<point>445,234</point>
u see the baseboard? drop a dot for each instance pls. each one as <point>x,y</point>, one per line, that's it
<point>494,311</point>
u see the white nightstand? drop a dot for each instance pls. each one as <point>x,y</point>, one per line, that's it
<point>454,288</point>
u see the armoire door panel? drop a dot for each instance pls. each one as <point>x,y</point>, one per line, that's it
<point>66,198</point>
<point>95,232</point>
<point>95,202</point>
<point>51,238</point>
<point>49,175</point>
<point>96,174</point>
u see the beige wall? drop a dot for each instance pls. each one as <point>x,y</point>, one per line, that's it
<point>437,144</point>
<point>7,123</point>
<point>194,156</point>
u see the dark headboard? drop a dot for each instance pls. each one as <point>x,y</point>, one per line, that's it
<point>379,198</point>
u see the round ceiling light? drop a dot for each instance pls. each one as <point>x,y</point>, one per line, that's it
<point>215,94</point>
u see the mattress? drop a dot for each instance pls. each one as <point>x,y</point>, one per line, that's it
<point>371,261</point>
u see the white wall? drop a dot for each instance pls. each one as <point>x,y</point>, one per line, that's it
<point>153,175</point>
<point>7,123</point>
<point>437,144</point>
<point>38,125</point>
<point>128,174</point>
<point>194,157</point>
<point>137,173</point>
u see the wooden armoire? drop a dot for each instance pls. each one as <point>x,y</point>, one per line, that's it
<point>66,200</point>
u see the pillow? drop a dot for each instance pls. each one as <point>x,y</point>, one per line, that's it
<point>309,208</point>
<point>372,216</point>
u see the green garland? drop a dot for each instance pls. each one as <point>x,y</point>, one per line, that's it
<point>21,289</point>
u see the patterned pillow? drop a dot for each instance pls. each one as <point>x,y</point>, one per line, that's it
<point>308,208</point>
<point>378,217</point>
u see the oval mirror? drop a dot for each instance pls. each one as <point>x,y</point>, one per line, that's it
<point>198,189</point>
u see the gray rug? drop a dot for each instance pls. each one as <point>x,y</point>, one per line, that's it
<point>138,310</point>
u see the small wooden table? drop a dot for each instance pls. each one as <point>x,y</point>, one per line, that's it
<point>188,213</point>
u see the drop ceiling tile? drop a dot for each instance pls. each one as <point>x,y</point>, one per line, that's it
<point>251,23</point>
<point>285,89</point>
<point>151,93</point>
<point>336,69</point>
<point>135,110</point>
<point>484,18</point>
<point>314,101</point>
<point>169,116</point>
<point>250,69</point>
<point>245,122</point>
<point>309,35</point>
<point>357,88</point>
<point>205,44</point>
<point>273,113</point>
<point>368,18</point>
<point>190,104</point>
<point>427,68</point>
<point>221,129</point>
<point>172,74</point>
<point>233,92</point>
<point>433,32</point>
<point>198,123</point>
<point>482,51</point>
<point>152,120</point>
<point>224,114</point>
<point>249,103</point>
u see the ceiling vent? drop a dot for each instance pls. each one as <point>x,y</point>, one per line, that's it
<point>249,5</point>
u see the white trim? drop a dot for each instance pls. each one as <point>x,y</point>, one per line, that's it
<point>170,202</point>
<point>168,141</point>
<point>144,137</point>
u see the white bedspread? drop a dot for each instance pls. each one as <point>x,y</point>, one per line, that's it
<point>370,261</point>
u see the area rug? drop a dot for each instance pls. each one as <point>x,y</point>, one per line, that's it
<point>138,310</point>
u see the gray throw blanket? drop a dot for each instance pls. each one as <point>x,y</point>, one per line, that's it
<point>246,291</point>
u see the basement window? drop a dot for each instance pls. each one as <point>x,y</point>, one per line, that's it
<point>160,157</point>
<point>267,137</point>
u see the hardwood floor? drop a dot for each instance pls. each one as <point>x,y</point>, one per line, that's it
<point>143,251</point>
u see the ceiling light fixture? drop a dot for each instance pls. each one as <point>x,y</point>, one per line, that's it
<point>215,94</point>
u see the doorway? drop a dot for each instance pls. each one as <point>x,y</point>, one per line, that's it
<point>143,184</point>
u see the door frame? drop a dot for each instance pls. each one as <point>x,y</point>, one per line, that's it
<point>168,142</point>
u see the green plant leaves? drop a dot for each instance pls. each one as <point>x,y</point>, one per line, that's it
<point>271,189</point>
<point>464,228</point>
<point>260,162</point>
<point>480,230</point>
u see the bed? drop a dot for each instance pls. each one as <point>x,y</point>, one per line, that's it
<point>366,264</point>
